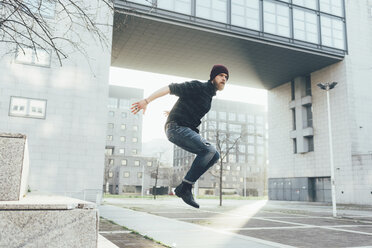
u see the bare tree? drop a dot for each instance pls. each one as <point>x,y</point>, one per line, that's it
<point>225,143</point>
<point>108,173</point>
<point>26,24</point>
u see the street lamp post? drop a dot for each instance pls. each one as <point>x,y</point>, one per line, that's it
<point>327,87</point>
<point>245,181</point>
<point>143,181</point>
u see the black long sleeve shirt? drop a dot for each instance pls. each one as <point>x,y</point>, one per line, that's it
<point>194,102</point>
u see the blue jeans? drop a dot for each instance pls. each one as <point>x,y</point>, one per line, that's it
<point>191,141</point>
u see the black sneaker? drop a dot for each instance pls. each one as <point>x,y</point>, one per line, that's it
<point>184,191</point>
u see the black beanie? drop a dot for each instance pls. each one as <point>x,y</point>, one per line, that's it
<point>217,69</point>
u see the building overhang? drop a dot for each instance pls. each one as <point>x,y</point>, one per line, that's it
<point>147,42</point>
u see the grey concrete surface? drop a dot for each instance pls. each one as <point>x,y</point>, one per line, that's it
<point>243,223</point>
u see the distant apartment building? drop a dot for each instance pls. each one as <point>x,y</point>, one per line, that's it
<point>126,171</point>
<point>245,164</point>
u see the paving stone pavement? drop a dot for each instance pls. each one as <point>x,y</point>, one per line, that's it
<point>124,238</point>
<point>260,223</point>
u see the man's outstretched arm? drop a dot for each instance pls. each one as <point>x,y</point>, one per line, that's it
<point>137,106</point>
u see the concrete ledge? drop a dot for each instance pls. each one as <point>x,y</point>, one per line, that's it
<point>14,164</point>
<point>46,202</point>
<point>48,221</point>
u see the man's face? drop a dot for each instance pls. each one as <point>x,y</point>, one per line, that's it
<point>219,81</point>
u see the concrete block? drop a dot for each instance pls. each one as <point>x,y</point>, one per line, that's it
<point>48,221</point>
<point>14,166</point>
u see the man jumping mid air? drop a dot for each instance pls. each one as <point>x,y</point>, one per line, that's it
<point>181,127</point>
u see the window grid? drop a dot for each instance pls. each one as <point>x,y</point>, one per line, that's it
<point>267,16</point>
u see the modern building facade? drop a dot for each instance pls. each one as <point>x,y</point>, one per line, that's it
<point>286,47</point>
<point>126,170</point>
<point>244,166</point>
<point>60,108</point>
<point>299,146</point>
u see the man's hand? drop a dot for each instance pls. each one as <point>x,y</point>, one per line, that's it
<point>137,106</point>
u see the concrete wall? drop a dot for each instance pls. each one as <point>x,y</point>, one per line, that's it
<point>350,113</point>
<point>67,147</point>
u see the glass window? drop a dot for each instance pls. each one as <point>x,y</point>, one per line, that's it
<point>122,138</point>
<point>134,151</point>
<point>232,116</point>
<point>123,162</point>
<point>121,150</point>
<point>309,116</point>
<point>110,125</point>
<point>332,32</point>
<point>135,128</point>
<point>215,10</point>
<point>259,119</point>
<point>241,117</point>
<point>109,137</point>
<point>251,158</point>
<point>212,114</point>
<point>260,150</point>
<point>149,163</point>
<point>259,130</point>
<point>250,149</point>
<point>18,106</point>
<point>180,6</point>
<point>250,139</point>
<point>260,160</point>
<point>111,113</point>
<point>276,18</point>
<point>112,103</point>
<point>250,129</point>
<point>25,107</point>
<point>134,140</point>
<point>211,135</point>
<point>212,125</point>
<point>241,158</point>
<point>222,116</point>
<point>110,161</point>
<point>123,126</point>
<point>310,144</point>
<point>235,128</point>
<point>144,2</point>
<point>311,4</point>
<point>294,119</point>
<point>250,118</point>
<point>109,150</point>
<point>124,104</point>
<point>139,174</point>
<point>260,140</point>
<point>222,126</point>
<point>308,85</point>
<point>245,13</point>
<point>305,25</point>
<point>241,148</point>
<point>136,162</point>
<point>123,115</point>
<point>28,55</point>
<point>331,6</point>
<point>126,174</point>
<point>232,158</point>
